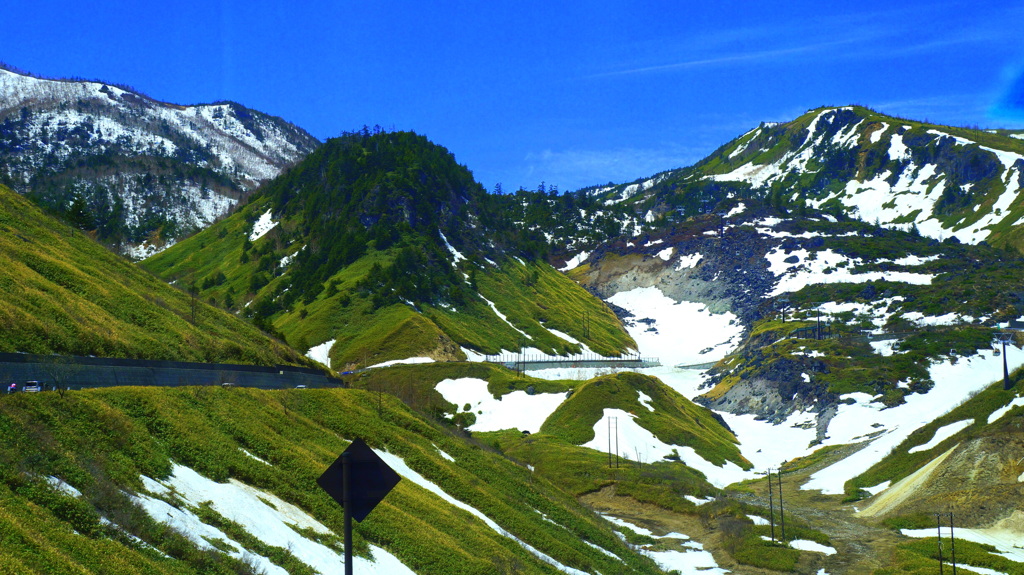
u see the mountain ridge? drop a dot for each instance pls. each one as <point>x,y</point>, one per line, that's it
<point>143,169</point>
<point>843,159</point>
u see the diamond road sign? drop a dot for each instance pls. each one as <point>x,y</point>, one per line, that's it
<point>370,479</point>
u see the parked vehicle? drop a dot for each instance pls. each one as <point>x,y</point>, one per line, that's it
<point>32,386</point>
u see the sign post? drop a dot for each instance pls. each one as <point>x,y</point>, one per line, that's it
<point>358,480</point>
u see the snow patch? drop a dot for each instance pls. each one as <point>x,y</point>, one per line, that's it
<point>875,490</point>
<point>645,400</point>
<point>263,225</point>
<point>575,261</point>
<point>403,469</point>
<point>321,352</point>
<point>264,515</point>
<point>406,361</point>
<point>456,254</point>
<point>995,415</point>
<point>638,444</point>
<point>943,433</point>
<point>806,545</point>
<point>688,261</point>
<point>515,410</point>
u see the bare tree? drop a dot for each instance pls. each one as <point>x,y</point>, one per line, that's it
<point>62,369</point>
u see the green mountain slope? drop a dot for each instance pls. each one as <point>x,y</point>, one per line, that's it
<point>64,293</point>
<point>383,244</point>
<point>104,441</point>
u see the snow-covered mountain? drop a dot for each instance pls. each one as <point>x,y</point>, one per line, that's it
<point>946,181</point>
<point>143,167</point>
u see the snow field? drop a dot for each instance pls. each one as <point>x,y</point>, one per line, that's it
<point>954,384</point>
<point>682,329</point>
<point>234,146</point>
<point>768,446</point>
<point>516,410</point>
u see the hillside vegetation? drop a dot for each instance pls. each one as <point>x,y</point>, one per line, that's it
<point>382,243</point>
<point>66,294</point>
<point>104,441</point>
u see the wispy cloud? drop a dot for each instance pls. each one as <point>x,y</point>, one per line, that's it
<point>728,59</point>
<point>900,31</point>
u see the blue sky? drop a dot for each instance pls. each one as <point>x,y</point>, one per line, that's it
<point>572,94</point>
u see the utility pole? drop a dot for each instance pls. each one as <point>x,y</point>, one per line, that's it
<point>782,512</point>
<point>616,419</point>
<point>952,543</point>
<point>1005,338</point>
<point>771,504</point>
<point>610,442</point>
<point>613,423</point>
<point>938,528</point>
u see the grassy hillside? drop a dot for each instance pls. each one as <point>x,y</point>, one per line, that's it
<point>555,451</point>
<point>103,441</point>
<point>386,245</point>
<point>64,293</point>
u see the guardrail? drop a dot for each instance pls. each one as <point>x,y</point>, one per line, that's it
<point>76,372</point>
<point>529,362</point>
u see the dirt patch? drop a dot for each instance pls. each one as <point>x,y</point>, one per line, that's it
<point>895,495</point>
